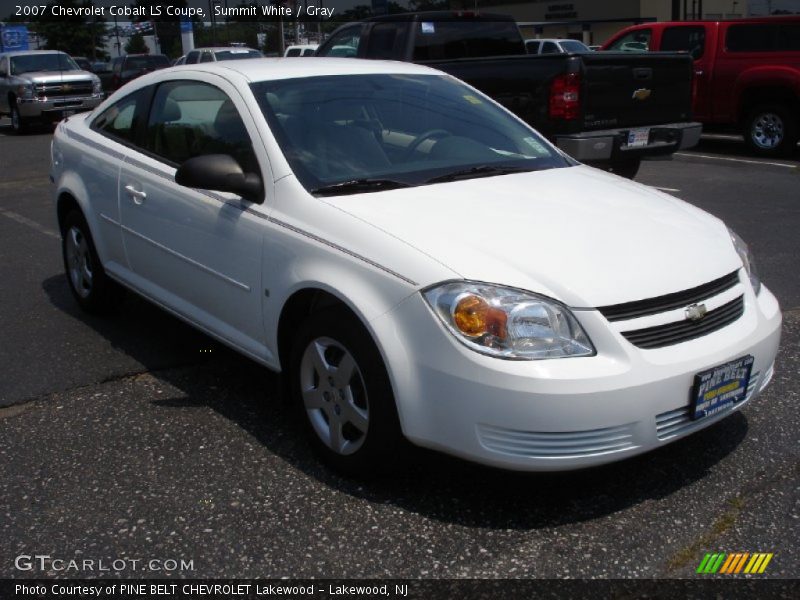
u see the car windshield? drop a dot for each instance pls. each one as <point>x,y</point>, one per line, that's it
<point>138,63</point>
<point>395,130</point>
<point>236,54</point>
<point>30,63</point>
<point>574,46</point>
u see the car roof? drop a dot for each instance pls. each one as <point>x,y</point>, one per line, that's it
<point>27,52</point>
<point>267,69</point>
<point>227,48</point>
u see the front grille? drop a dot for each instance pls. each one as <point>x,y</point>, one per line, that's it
<point>59,90</point>
<point>679,421</point>
<point>682,331</point>
<point>652,306</point>
<point>538,444</point>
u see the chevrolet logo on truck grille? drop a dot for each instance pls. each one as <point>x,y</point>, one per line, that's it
<point>66,87</point>
<point>695,312</point>
<point>641,94</point>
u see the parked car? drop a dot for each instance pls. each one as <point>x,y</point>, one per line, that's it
<point>83,63</point>
<point>130,66</point>
<point>607,110</point>
<point>301,50</point>
<point>417,261</point>
<point>747,73</point>
<point>555,46</point>
<point>201,55</point>
<point>106,75</point>
<point>44,85</point>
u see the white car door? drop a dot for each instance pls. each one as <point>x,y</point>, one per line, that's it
<point>198,252</point>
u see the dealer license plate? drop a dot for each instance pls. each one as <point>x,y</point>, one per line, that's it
<point>638,137</point>
<point>721,387</point>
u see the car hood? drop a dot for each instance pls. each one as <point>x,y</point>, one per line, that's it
<point>580,235</point>
<point>57,76</point>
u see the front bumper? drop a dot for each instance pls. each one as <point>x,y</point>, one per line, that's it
<point>55,109</point>
<point>611,144</point>
<point>564,413</point>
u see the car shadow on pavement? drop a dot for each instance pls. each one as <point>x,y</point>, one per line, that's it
<point>433,485</point>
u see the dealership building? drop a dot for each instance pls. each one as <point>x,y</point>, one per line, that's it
<point>594,21</point>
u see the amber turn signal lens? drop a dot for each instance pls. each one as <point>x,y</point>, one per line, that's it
<point>474,317</point>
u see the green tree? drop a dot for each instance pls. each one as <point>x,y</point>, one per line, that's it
<point>136,45</point>
<point>77,35</point>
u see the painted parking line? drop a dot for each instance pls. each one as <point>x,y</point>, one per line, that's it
<point>739,160</point>
<point>30,223</point>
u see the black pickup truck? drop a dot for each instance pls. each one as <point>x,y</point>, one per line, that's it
<point>602,108</point>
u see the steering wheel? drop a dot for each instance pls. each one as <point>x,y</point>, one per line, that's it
<point>415,143</point>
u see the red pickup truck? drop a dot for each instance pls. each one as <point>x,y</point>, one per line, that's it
<point>746,73</point>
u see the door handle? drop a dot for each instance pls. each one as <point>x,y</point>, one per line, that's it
<point>138,196</point>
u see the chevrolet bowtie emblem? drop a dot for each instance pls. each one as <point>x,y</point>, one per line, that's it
<point>695,312</point>
<point>641,94</point>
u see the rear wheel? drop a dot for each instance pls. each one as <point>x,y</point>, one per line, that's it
<point>88,282</point>
<point>340,384</point>
<point>771,130</point>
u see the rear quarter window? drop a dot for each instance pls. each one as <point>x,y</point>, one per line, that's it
<point>763,37</point>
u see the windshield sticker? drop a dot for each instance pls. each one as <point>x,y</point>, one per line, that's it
<point>533,143</point>
<point>428,27</point>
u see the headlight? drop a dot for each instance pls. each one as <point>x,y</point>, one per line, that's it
<point>25,91</point>
<point>508,323</point>
<point>97,87</point>
<point>747,259</point>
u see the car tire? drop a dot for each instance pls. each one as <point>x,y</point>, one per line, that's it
<point>771,130</point>
<point>350,417</point>
<point>19,124</point>
<point>91,287</point>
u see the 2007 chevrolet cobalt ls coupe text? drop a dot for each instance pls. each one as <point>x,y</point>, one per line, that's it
<point>418,262</point>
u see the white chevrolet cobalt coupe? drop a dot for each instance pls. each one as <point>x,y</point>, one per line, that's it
<point>418,262</point>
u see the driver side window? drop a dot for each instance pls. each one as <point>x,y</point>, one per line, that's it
<point>192,118</point>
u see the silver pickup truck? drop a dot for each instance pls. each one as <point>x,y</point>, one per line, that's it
<point>44,85</point>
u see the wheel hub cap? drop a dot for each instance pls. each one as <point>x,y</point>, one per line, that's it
<point>79,263</point>
<point>334,395</point>
<point>767,131</point>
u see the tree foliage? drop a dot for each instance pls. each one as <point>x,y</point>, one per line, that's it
<point>76,35</point>
<point>136,45</point>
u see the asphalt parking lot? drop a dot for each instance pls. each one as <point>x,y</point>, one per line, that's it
<point>135,437</point>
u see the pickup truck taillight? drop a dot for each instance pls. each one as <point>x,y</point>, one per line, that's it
<point>565,97</point>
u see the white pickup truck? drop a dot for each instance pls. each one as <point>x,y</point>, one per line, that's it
<point>44,85</point>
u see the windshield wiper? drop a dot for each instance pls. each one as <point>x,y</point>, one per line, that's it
<point>472,172</point>
<point>354,186</point>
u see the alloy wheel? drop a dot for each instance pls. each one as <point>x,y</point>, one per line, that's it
<point>79,262</point>
<point>334,395</point>
<point>767,130</point>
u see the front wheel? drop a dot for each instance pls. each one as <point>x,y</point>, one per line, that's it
<point>771,130</point>
<point>19,124</point>
<point>340,384</point>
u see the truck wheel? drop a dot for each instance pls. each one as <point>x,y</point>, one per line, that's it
<point>771,130</point>
<point>19,124</point>
<point>340,385</point>
<point>94,291</point>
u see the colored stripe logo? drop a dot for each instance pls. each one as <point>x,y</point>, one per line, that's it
<point>734,563</point>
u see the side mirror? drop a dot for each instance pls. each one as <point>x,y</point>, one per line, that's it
<point>222,173</point>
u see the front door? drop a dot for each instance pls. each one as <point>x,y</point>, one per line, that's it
<point>199,252</point>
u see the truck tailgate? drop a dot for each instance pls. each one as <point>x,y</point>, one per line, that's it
<point>632,89</point>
